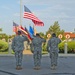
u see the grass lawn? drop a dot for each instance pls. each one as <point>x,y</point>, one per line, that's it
<point>7,52</point>
<point>3,52</point>
<point>44,52</point>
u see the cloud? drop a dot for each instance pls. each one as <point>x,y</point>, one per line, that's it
<point>48,11</point>
<point>49,2</point>
<point>16,14</point>
<point>6,8</point>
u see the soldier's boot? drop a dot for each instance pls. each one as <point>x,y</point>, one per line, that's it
<point>55,66</point>
<point>37,68</point>
<point>18,68</point>
<point>52,67</point>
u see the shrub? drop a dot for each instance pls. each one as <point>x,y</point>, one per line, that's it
<point>3,46</point>
<point>44,47</point>
<point>61,47</point>
<point>70,47</point>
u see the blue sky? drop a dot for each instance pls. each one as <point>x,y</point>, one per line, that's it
<point>48,11</point>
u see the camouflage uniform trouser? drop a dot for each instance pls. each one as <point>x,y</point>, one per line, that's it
<point>18,56</point>
<point>37,58</point>
<point>54,57</point>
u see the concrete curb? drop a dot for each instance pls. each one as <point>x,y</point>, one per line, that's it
<point>42,55</point>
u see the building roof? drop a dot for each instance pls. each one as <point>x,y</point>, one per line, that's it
<point>69,34</point>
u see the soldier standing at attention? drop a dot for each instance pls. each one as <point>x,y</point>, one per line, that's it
<point>53,49</point>
<point>18,47</point>
<point>36,48</point>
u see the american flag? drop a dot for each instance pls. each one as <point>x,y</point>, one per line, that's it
<point>15,27</point>
<point>29,36</point>
<point>29,15</point>
<point>25,31</point>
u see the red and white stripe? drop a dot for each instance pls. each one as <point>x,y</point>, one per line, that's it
<point>35,20</point>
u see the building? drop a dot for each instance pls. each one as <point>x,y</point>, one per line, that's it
<point>69,35</point>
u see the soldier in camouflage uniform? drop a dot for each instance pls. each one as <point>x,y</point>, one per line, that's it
<point>36,48</point>
<point>18,47</point>
<point>53,49</point>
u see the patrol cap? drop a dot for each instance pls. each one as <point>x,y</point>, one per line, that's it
<point>19,32</point>
<point>37,34</point>
<point>53,35</point>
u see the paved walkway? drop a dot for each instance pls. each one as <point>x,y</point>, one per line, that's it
<point>66,65</point>
<point>27,52</point>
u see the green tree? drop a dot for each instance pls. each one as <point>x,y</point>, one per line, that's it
<point>41,34</point>
<point>55,28</point>
<point>0,29</point>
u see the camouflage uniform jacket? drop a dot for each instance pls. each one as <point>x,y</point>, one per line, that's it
<point>52,45</point>
<point>18,42</point>
<point>36,44</point>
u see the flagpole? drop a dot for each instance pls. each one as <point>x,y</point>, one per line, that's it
<point>20,12</point>
<point>34,30</point>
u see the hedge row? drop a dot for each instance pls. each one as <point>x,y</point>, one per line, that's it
<point>70,46</point>
<point>3,46</point>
